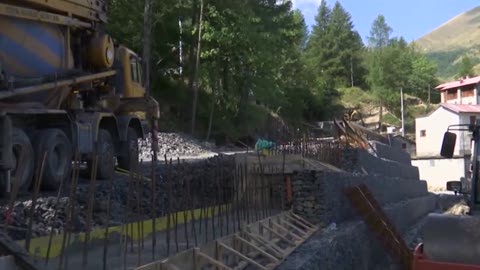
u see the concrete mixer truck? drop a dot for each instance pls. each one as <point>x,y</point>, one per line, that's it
<point>66,89</point>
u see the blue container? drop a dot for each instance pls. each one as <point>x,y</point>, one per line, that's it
<point>30,49</point>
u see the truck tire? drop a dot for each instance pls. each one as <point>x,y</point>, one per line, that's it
<point>128,158</point>
<point>58,163</point>
<point>105,156</point>
<point>21,143</point>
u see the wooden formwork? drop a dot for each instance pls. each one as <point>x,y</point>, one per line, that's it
<point>262,245</point>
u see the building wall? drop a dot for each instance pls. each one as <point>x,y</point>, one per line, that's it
<point>468,95</point>
<point>437,171</point>
<point>430,130</point>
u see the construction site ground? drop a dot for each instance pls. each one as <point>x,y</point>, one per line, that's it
<point>132,222</point>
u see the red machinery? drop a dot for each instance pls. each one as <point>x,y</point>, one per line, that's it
<point>421,262</point>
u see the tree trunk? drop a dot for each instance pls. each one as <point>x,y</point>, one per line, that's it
<point>351,71</point>
<point>380,118</point>
<point>196,70</point>
<point>216,89</point>
<point>191,65</point>
<point>147,43</point>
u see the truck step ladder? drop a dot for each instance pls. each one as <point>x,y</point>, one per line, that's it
<point>368,207</point>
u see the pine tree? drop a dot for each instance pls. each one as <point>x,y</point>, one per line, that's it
<point>380,33</point>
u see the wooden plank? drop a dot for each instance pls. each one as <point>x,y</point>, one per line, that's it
<point>306,222</point>
<point>286,230</point>
<point>278,235</point>
<point>306,227</point>
<point>272,246</point>
<point>303,232</point>
<point>211,261</point>
<point>259,250</point>
<point>242,256</point>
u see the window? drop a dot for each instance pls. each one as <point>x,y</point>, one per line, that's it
<point>467,93</point>
<point>473,119</point>
<point>134,69</point>
<point>451,94</point>
<point>423,133</point>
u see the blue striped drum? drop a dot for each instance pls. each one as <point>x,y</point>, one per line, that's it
<point>30,49</point>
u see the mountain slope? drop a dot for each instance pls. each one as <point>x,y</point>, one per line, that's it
<point>451,41</point>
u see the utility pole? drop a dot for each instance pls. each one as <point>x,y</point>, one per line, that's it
<point>351,71</point>
<point>403,112</point>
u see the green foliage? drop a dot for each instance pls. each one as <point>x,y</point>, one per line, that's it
<point>465,67</point>
<point>257,58</point>
<point>380,33</point>
<point>395,65</point>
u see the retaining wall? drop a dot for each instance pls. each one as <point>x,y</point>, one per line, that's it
<point>352,245</point>
<point>319,196</point>
<point>391,153</point>
<point>360,161</point>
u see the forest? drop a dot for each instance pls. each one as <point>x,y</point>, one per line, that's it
<point>220,67</point>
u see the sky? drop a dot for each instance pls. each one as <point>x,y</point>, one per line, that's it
<point>411,19</point>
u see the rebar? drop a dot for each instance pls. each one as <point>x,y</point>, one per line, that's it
<point>38,183</point>
<point>57,201</point>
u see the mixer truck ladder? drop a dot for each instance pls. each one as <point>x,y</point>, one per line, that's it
<point>367,206</point>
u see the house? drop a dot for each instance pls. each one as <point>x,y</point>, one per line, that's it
<point>464,91</point>
<point>460,106</point>
<point>429,130</point>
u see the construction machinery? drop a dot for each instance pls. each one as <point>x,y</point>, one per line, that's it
<point>66,89</point>
<point>453,242</point>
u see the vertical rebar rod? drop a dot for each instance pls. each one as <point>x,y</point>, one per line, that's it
<point>55,214</point>
<point>169,200</point>
<point>111,191</point>
<point>139,218</point>
<point>176,208</point>
<point>185,204</point>
<point>38,183</point>
<point>192,208</point>
<point>154,146</point>
<point>236,191</point>
<point>71,210</point>
<point>15,191</point>
<point>91,193</point>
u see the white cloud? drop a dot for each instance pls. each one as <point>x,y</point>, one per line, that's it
<point>306,3</point>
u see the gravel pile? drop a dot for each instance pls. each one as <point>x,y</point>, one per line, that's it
<point>174,145</point>
<point>208,181</point>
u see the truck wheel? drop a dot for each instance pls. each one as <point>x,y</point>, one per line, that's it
<point>58,163</point>
<point>21,144</point>
<point>105,155</point>
<point>128,158</point>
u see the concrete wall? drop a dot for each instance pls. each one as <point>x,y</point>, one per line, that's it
<point>319,196</point>
<point>437,171</point>
<point>354,246</point>
<point>360,161</point>
<point>392,153</point>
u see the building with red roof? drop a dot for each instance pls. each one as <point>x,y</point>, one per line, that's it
<point>460,106</point>
<point>464,91</point>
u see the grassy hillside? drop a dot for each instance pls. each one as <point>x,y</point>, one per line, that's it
<point>365,103</point>
<point>448,43</point>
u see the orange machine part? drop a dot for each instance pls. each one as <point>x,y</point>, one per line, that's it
<point>421,262</point>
